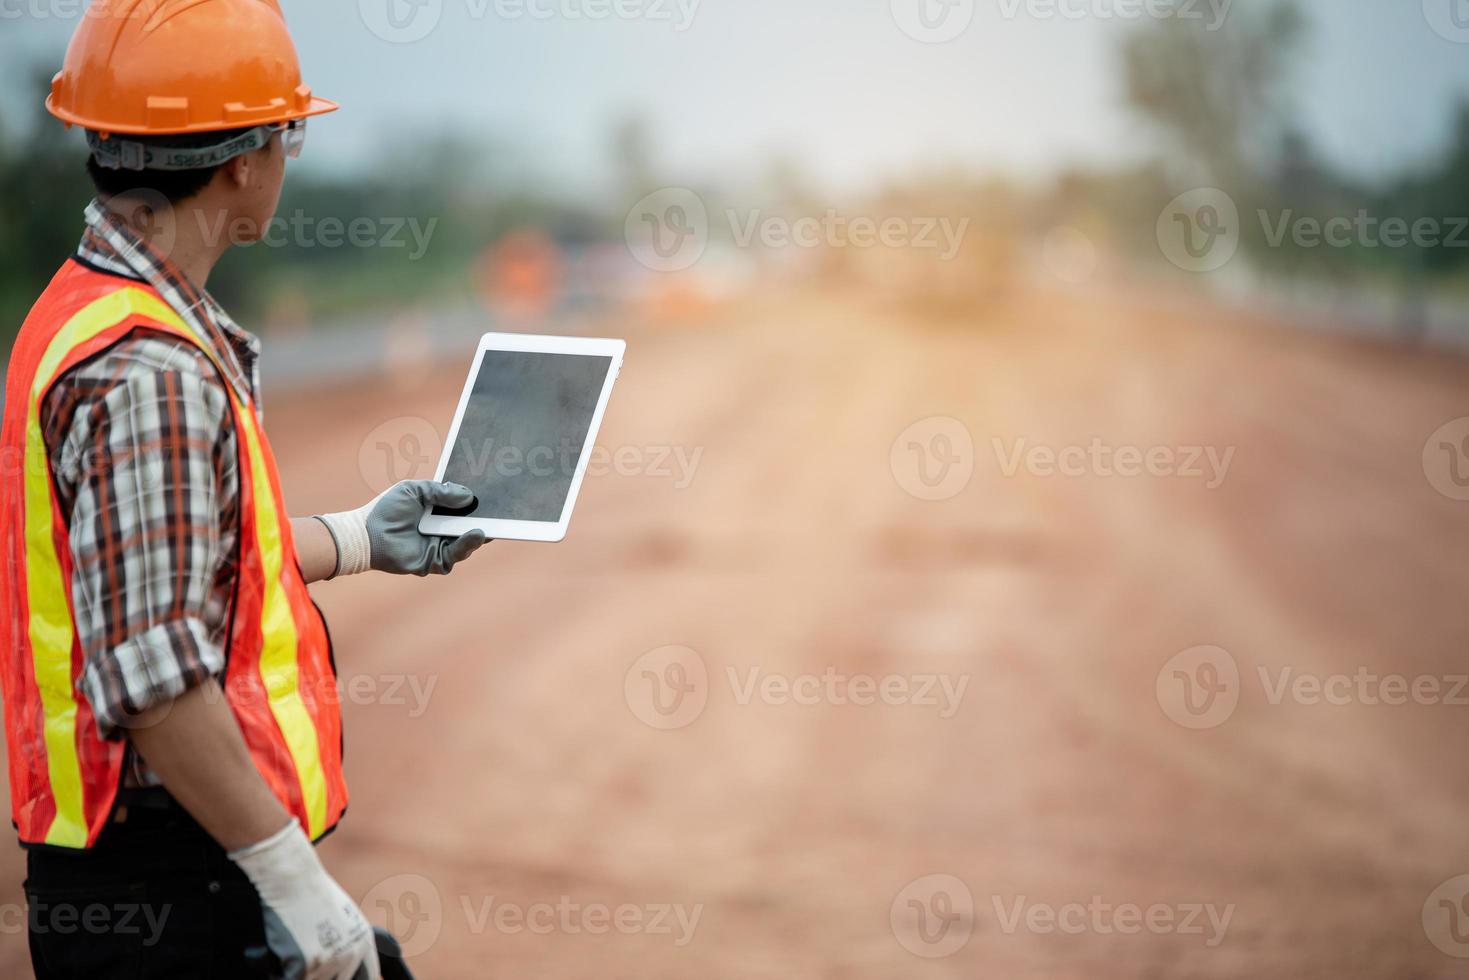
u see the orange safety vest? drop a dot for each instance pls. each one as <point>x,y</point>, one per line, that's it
<point>279,680</point>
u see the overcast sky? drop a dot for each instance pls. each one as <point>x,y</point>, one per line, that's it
<point>836,85</point>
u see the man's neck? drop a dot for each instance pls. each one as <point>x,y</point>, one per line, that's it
<point>180,233</point>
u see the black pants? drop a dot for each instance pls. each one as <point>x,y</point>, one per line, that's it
<point>156,897</point>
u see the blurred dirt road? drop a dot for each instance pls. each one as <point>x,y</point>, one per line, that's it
<point>514,816</point>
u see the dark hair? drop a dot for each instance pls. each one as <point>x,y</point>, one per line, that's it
<point>173,185</point>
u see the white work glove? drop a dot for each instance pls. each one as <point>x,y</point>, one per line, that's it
<point>383,534</point>
<point>311,925</point>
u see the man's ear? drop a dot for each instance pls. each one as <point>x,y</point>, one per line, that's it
<point>236,170</point>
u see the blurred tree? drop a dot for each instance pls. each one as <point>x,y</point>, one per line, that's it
<point>43,189</point>
<point>1220,97</point>
<point>1222,103</point>
<point>632,156</point>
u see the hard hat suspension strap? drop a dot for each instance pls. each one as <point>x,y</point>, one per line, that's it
<point>121,153</point>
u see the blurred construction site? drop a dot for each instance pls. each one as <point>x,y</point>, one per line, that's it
<point>979,574</point>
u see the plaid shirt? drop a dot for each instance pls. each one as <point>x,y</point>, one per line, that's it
<point>142,442</point>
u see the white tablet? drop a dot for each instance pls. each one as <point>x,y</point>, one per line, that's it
<point>523,432</point>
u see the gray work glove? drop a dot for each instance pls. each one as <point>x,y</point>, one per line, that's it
<point>383,534</point>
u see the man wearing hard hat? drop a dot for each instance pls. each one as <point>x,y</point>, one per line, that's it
<point>171,708</point>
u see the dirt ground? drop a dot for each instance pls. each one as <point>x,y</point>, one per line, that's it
<point>518,812</point>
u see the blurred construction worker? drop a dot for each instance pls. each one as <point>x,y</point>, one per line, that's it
<point>171,706</point>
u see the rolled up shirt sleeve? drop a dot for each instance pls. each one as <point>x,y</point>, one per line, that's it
<point>146,468</point>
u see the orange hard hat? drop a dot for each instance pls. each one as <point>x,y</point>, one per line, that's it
<point>158,67</point>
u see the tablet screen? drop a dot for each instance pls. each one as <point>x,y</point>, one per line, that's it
<point>523,432</point>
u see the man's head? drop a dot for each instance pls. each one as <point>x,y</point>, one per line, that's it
<point>239,192</point>
<point>194,101</point>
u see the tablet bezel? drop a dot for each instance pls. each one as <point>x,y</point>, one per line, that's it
<point>445,526</point>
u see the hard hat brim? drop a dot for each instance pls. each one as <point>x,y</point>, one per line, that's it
<point>317,107</point>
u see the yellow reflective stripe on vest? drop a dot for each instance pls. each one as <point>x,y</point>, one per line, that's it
<point>278,666</point>
<point>51,630</point>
